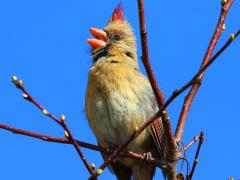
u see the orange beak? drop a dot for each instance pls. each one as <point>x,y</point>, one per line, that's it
<point>100,38</point>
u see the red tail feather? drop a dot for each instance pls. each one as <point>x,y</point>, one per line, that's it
<point>117,14</point>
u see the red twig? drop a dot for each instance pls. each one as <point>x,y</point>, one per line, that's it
<point>129,154</point>
<point>195,139</point>
<point>195,162</point>
<point>52,138</point>
<point>195,79</point>
<point>146,61</point>
<point>184,159</point>
<point>61,122</point>
<point>145,56</point>
<point>171,146</point>
<point>189,98</point>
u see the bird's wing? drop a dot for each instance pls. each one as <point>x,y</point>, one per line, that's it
<point>156,131</point>
<point>156,127</point>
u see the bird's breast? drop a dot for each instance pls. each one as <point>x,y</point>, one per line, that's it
<point>117,103</point>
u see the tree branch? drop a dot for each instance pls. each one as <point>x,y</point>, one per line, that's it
<point>195,162</point>
<point>128,154</point>
<point>189,98</point>
<point>171,146</point>
<point>185,148</point>
<point>61,121</point>
<point>51,138</point>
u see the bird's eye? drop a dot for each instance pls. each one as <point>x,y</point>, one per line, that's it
<point>117,37</point>
<point>129,54</point>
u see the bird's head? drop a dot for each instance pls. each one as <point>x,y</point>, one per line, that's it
<point>115,39</point>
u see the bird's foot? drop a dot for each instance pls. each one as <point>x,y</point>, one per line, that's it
<point>147,156</point>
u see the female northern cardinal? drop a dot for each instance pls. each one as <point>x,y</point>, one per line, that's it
<point>119,99</point>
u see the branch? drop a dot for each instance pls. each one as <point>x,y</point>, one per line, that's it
<point>128,154</point>
<point>51,138</point>
<point>189,98</point>
<point>61,121</point>
<point>189,176</point>
<point>145,56</point>
<point>171,146</point>
<point>184,149</point>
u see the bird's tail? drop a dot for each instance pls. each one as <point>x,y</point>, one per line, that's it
<point>143,171</point>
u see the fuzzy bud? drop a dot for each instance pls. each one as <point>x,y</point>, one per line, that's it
<point>45,112</point>
<point>92,166</point>
<point>223,2</point>
<point>232,36</point>
<point>25,96</point>
<point>14,78</point>
<point>66,134</point>
<point>224,27</point>
<point>99,171</point>
<point>63,118</point>
<point>136,128</point>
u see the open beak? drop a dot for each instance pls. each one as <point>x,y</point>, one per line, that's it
<point>100,38</point>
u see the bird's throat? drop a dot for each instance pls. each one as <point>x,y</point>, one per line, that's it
<point>98,54</point>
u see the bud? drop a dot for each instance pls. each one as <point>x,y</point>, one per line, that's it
<point>14,78</point>
<point>25,96</point>
<point>63,118</point>
<point>196,161</point>
<point>136,128</point>
<point>66,134</point>
<point>232,36</point>
<point>19,83</point>
<point>164,112</point>
<point>45,112</point>
<point>224,27</point>
<point>92,166</point>
<point>99,171</point>
<point>223,2</point>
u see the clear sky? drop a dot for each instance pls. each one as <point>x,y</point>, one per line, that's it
<point>44,44</point>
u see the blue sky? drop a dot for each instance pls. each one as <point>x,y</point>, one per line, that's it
<point>44,43</point>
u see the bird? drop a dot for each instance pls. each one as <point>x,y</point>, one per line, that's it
<point>119,98</point>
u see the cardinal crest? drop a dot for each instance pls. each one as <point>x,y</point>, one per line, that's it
<point>117,14</point>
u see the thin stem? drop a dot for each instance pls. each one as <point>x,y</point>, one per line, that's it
<point>51,138</point>
<point>75,144</point>
<point>195,162</point>
<point>195,139</point>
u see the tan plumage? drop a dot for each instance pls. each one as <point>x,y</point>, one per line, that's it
<point>119,98</point>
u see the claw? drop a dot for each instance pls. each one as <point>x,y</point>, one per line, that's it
<point>147,156</point>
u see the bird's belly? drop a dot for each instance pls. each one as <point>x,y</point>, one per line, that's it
<point>114,118</point>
